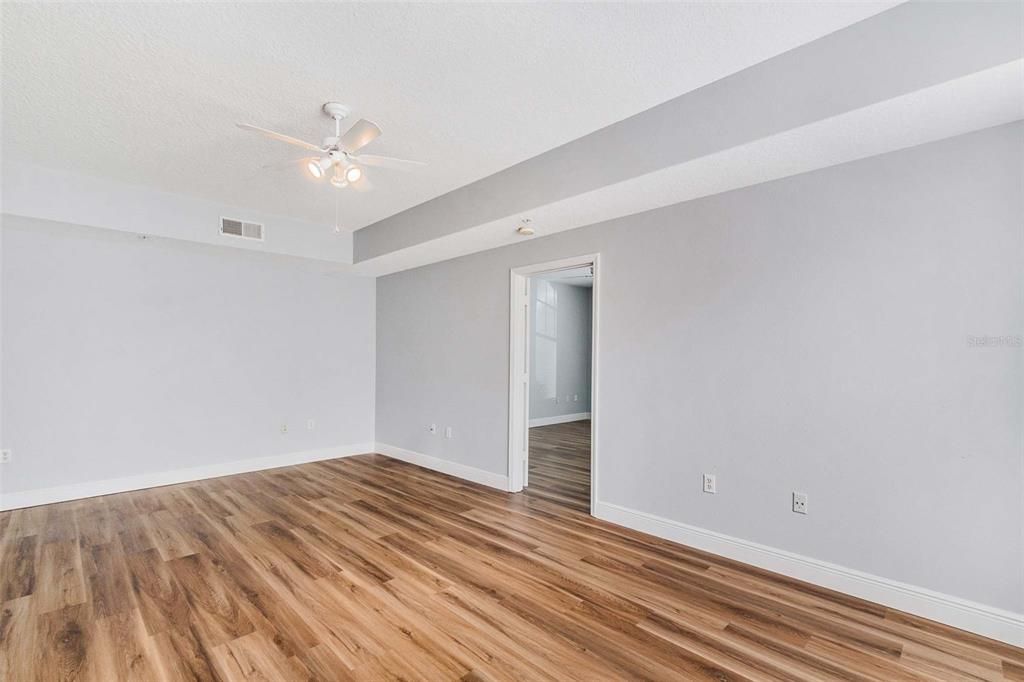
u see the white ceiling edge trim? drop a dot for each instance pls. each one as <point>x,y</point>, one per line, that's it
<point>981,100</point>
<point>63,196</point>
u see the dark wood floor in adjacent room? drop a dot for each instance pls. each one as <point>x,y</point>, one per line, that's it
<point>367,568</point>
<point>560,464</point>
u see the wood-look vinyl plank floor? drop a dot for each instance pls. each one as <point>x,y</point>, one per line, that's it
<point>559,464</point>
<point>367,568</point>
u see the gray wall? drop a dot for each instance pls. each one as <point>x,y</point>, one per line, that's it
<point>124,356</point>
<point>566,390</point>
<point>805,334</point>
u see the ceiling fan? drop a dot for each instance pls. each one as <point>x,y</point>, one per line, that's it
<point>336,157</point>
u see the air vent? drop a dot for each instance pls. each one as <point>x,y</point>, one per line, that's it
<point>240,228</point>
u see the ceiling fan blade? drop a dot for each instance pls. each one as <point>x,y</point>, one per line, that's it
<point>289,162</point>
<point>361,133</point>
<point>280,137</point>
<point>387,162</point>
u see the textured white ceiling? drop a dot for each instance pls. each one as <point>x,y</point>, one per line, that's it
<point>149,93</point>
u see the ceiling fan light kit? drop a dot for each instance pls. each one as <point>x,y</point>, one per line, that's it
<point>338,151</point>
<point>315,168</point>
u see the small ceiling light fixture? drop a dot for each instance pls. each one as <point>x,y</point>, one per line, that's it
<point>353,173</point>
<point>317,167</point>
<point>524,228</point>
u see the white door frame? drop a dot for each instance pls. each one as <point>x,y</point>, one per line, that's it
<point>520,326</point>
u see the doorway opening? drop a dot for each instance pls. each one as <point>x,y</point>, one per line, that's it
<point>553,381</point>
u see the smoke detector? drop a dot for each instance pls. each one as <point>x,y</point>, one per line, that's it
<point>524,228</point>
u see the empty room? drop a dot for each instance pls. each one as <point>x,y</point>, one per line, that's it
<point>559,347</point>
<point>512,341</point>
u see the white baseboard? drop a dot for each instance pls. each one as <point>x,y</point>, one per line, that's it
<point>75,491</point>
<point>559,419</point>
<point>488,478</point>
<point>982,619</point>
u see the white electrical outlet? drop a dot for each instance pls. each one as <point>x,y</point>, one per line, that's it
<point>447,432</point>
<point>310,424</point>
<point>284,428</point>
<point>432,429</point>
<point>575,397</point>
<point>5,456</point>
<point>709,484</point>
<point>800,503</point>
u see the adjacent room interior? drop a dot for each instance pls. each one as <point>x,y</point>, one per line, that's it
<point>483,341</point>
<point>560,339</point>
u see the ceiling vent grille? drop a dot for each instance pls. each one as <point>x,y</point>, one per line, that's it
<point>240,228</point>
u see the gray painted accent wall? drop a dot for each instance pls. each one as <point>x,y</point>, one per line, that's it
<point>810,334</point>
<point>124,356</point>
<point>559,352</point>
